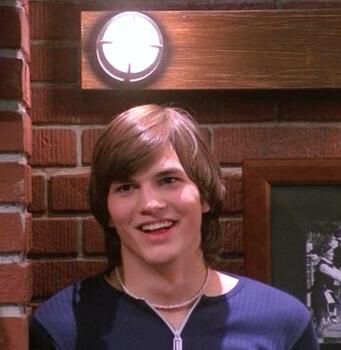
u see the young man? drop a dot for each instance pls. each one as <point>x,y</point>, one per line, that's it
<point>156,191</point>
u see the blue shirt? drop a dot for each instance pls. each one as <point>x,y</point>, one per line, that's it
<point>91,314</point>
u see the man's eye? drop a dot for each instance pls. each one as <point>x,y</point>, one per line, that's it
<point>125,188</point>
<point>169,180</point>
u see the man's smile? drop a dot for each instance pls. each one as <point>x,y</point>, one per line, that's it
<point>150,227</point>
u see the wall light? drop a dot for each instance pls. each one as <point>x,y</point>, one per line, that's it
<point>129,47</point>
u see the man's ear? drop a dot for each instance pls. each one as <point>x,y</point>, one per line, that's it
<point>205,208</point>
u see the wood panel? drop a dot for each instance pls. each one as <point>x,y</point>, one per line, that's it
<point>268,49</point>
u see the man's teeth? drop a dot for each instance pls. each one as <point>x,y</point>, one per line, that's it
<point>157,226</point>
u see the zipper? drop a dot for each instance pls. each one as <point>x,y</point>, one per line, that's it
<point>177,340</point>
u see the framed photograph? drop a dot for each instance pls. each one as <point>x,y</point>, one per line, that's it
<point>292,234</point>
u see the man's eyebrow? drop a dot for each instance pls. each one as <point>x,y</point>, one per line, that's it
<point>170,171</point>
<point>166,172</point>
<point>122,180</point>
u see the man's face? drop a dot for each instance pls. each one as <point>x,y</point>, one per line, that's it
<point>157,213</point>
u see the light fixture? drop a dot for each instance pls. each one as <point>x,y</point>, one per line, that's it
<point>129,47</point>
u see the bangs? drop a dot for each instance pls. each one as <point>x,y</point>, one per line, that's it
<point>136,151</point>
<point>129,164</point>
<point>133,141</point>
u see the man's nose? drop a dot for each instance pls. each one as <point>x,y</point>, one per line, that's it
<point>151,200</point>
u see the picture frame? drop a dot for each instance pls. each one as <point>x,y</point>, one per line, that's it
<point>290,205</point>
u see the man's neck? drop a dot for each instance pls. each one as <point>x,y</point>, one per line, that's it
<point>166,284</point>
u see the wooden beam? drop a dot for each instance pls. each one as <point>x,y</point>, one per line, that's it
<point>268,49</point>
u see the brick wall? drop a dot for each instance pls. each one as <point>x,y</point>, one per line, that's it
<point>15,174</point>
<point>65,243</point>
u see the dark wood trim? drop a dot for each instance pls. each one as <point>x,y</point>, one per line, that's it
<point>258,177</point>
<point>259,49</point>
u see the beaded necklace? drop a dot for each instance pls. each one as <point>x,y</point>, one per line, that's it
<point>187,302</point>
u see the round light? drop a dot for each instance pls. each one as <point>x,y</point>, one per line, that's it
<point>129,47</point>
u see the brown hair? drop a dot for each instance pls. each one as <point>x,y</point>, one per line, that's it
<point>130,143</point>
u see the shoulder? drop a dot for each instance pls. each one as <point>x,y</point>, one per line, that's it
<point>71,295</point>
<point>273,305</point>
<point>267,294</point>
<point>58,315</point>
<point>259,310</point>
<point>277,311</point>
<point>251,298</point>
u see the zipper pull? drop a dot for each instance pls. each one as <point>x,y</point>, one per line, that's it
<point>177,342</point>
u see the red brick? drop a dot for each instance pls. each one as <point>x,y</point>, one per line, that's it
<point>15,283</point>
<point>15,183</point>
<point>73,106</point>
<point>54,20</point>
<point>27,136</point>
<point>233,236</point>
<point>53,147</point>
<point>14,28</point>
<point>321,105</point>
<point>51,276</point>
<point>232,145</point>
<point>14,82</point>
<point>12,232</point>
<point>27,99</point>
<point>66,105</point>
<point>28,230</point>
<point>229,106</point>
<point>54,64</point>
<point>69,192</point>
<point>53,237</point>
<point>39,203</point>
<point>234,193</point>
<point>89,138</point>
<point>93,237</point>
<point>15,132</point>
<point>14,333</point>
